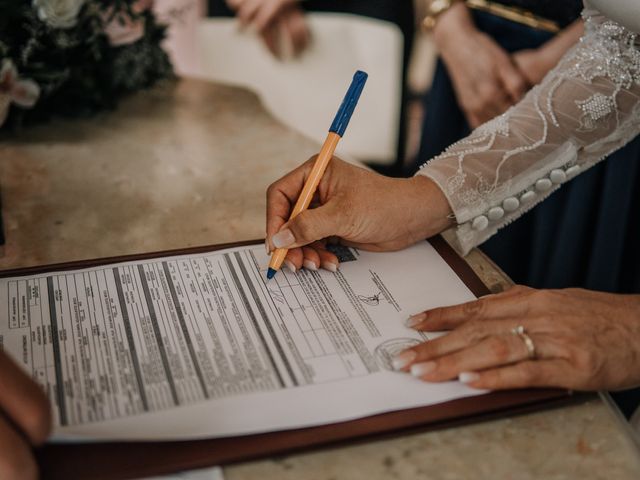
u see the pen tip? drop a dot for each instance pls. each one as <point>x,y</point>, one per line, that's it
<point>271,273</point>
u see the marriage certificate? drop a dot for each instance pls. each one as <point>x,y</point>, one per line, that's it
<point>203,346</point>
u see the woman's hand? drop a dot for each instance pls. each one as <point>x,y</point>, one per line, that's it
<point>278,22</point>
<point>536,63</point>
<point>25,421</point>
<point>361,208</point>
<point>583,340</point>
<point>486,80</point>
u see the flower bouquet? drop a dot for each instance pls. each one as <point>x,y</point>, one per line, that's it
<point>75,57</point>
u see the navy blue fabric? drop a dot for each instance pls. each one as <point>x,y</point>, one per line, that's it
<point>586,234</point>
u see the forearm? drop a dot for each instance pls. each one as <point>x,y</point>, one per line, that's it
<point>452,26</point>
<point>586,108</point>
<point>558,46</point>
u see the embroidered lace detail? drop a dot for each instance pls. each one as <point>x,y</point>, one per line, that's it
<point>595,108</point>
<point>586,108</point>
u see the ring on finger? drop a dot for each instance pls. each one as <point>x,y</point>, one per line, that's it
<point>531,347</point>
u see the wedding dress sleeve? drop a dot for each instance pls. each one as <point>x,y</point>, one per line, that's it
<point>585,109</point>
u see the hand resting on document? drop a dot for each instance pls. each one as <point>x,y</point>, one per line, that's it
<point>584,340</point>
<point>25,421</point>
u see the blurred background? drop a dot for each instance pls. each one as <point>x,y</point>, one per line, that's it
<point>304,91</point>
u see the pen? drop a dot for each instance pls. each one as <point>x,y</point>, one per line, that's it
<point>336,131</point>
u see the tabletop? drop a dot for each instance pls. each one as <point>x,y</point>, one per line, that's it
<point>187,164</point>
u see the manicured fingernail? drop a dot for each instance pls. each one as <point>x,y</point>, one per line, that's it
<point>309,265</point>
<point>403,360</point>
<point>289,264</point>
<point>468,377</point>
<point>266,246</point>
<point>332,267</point>
<point>283,239</point>
<point>414,320</point>
<point>421,369</point>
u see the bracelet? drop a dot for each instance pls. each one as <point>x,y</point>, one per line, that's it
<point>434,10</point>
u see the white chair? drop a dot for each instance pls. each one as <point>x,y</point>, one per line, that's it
<point>305,93</point>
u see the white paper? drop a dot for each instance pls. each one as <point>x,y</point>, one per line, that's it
<point>204,346</point>
<point>213,473</point>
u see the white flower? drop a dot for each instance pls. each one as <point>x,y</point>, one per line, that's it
<point>13,89</point>
<point>59,13</point>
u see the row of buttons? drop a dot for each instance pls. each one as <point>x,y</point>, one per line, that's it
<point>511,204</point>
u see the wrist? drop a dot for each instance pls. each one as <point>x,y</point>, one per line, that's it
<point>430,209</point>
<point>453,26</point>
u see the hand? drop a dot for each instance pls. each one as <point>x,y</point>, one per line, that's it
<point>584,340</point>
<point>275,21</point>
<point>360,207</point>
<point>288,36</point>
<point>484,77</point>
<point>534,65</point>
<point>25,421</point>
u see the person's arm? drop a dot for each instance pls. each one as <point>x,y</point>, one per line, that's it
<point>586,108</point>
<point>25,421</point>
<point>536,63</point>
<point>485,79</point>
<point>280,23</point>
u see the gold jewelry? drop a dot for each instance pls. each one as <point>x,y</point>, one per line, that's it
<point>434,10</point>
<point>514,14</point>
<point>531,347</point>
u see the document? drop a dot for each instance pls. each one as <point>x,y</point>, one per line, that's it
<point>202,345</point>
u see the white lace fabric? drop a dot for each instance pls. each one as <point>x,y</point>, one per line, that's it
<point>584,110</point>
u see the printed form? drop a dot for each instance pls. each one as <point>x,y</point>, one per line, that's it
<point>203,345</point>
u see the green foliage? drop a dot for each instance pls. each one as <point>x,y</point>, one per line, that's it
<point>79,73</point>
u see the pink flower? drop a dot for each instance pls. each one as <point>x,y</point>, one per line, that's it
<point>122,29</point>
<point>13,89</point>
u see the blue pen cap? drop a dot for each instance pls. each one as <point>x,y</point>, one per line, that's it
<point>349,103</point>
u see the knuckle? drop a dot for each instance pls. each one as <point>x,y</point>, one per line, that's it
<point>472,331</point>
<point>474,309</point>
<point>530,373</point>
<point>304,228</point>
<point>500,348</point>
<point>540,298</point>
<point>521,289</point>
<point>546,324</point>
<point>586,361</point>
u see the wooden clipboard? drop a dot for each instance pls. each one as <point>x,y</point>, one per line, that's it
<point>126,460</point>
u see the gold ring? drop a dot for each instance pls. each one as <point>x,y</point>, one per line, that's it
<point>522,333</point>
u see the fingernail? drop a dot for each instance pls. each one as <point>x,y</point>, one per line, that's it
<point>468,377</point>
<point>289,264</point>
<point>404,359</point>
<point>309,265</point>
<point>421,369</point>
<point>332,267</point>
<point>266,246</point>
<point>283,239</point>
<point>414,320</point>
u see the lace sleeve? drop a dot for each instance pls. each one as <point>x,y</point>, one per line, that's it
<point>586,108</point>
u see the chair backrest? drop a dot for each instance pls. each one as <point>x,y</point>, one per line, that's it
<point>305,93</point>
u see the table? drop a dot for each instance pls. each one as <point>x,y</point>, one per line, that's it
<point>187,164</point>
